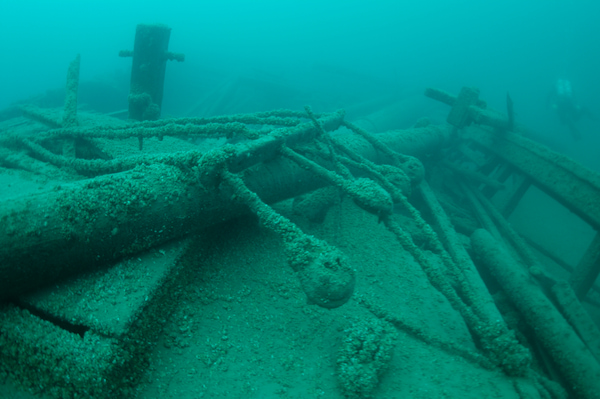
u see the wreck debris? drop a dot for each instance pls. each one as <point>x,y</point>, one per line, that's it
<point>572,185</point>
<point>120,206</point>
<point>323,271</point>
<point>70,112</point>
<point>150,55</point>
<point>53,234</point>
<point>578,366</point>
<point>364,355</point>
<point>582,279</point>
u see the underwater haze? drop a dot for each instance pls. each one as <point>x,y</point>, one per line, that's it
<point>328,54</point>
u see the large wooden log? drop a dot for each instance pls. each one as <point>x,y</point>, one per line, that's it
<point>572,358</point>
<point>87,224</point>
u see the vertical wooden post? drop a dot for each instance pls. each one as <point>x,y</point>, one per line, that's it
<point>517,195</point>
<point>148,71</point>
<point>587,270</point>
<point>459,114</point>
<point>69,118</point>
<point>150,54</point>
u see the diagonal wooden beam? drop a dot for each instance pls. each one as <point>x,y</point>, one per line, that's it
<point>573,185</point>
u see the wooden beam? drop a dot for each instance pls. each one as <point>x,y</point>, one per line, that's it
<point>576,363</point>
<point>85,224</point>
<point>586,272</point>
<point>574,186</point>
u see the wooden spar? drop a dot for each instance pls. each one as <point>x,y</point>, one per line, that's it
<point>70,111</point>
<point>571,184</point>
<point>575,362</point>
<point>467,108</point>
<point>84,225</point>
<point>150,56</point>
<point>574,186</point>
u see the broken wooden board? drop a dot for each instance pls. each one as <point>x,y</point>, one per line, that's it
<point>90,334</point>
<point>570,183</point>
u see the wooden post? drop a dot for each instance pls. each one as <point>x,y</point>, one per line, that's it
<point>516,196</point>
<point>576,363</point>
<point>69,118</point>
<point>150,54</point>
<point>148,71</point>
<point>467,108</point>
<point>587,270</point>
<point>70,111</point>
<point>459,114</point>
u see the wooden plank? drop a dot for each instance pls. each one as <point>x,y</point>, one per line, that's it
<point>575,362</point>
<point>94,333</point>
<point>586,272</point>
<point>568,182</point>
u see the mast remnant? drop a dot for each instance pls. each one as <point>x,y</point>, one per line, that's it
<point>150,54</point>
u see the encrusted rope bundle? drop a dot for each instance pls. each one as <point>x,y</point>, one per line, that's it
<point>375,188</point>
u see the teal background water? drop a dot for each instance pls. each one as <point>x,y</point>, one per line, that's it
<point>341,50</point>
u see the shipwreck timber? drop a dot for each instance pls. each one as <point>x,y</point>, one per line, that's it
<point>51,235</point>
<point>107,221</point>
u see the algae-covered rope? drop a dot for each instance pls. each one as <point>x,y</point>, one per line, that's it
<point>322,269</point>
<point>326,139</point>
<point>218,125</point>
<point>169,129</point>
<point>221,126</point>
<point>101,166</point>
<point>365,192</point>
<point>415,171</point>
<point>424,336</point>
<point>499,342</point>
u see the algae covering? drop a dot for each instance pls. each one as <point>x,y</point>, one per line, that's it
<point>191,269</point>
<point>91,336</point>
<point>364,355</point>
